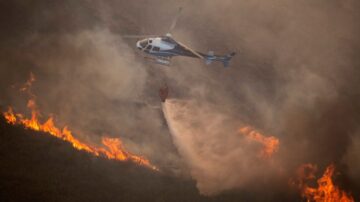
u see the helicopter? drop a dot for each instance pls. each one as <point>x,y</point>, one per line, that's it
<point>162,48</point>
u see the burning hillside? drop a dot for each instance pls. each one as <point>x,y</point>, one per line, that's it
<point>112,148</point>
<point>38,167</point>
<point>326,190</point>
<point>211,151</point>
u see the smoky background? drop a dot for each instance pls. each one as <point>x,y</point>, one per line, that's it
<point>295,76</point>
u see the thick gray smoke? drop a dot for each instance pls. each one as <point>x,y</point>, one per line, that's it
<point>219,157</point>
<point>295,76</point>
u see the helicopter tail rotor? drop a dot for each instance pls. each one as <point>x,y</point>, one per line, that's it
<point>227,59</point>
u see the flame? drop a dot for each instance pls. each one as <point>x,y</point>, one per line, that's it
<point>271,144</point>
<point>326,190</point>
<point>10,117</point>
<point>112,148</point>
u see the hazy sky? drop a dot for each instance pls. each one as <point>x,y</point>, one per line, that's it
<point>296,76</point>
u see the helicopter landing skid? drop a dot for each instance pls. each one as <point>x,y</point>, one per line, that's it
<point>160,60</point>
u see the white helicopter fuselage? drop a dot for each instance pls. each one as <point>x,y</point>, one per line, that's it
<point>163,48</point>
<point>166,47</point>
<point>158,46</point>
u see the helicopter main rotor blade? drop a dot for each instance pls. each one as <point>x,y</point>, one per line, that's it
<point>173,24</point>
<point>138,36</point>
<point>191,50</point>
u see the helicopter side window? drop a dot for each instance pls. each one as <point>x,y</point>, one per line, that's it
<point>149,47</point>
<point>156,48</point>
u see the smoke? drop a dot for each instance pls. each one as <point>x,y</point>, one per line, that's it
<point>86,76</point>
<point>352,156</point>
<point>295,76</point>
<point>218,156</point>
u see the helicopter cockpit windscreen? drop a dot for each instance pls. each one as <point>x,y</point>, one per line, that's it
<point>143,43</point>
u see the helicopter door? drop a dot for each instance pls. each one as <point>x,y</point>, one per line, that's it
<point>148,47</point>
<point>156,49</point>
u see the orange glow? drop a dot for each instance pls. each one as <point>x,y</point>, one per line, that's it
<point>10,117</point>
<point>326,190</point>
<point>271,144</point>
<point>111,148</point>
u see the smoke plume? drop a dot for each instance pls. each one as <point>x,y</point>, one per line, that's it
<point>296,77</point>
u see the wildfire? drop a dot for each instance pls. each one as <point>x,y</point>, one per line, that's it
<point>326,190</point>
<point>112,148</point>
<point>271,144</point>
<point>9,116</point>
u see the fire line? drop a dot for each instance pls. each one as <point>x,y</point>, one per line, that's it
<point>112,148</point>
<point>326,190</point>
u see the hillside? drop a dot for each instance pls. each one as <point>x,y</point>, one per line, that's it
<point>38,167</point>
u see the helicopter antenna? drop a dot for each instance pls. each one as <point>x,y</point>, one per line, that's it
<point>173,24</point>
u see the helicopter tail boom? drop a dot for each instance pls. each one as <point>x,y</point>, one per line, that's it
<point>225,59</point>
